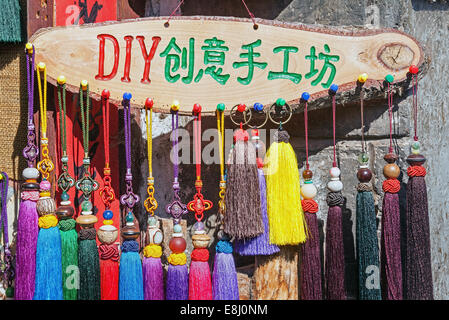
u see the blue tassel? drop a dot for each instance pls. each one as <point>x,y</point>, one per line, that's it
<point>48,265</point>
<point>130,274</point>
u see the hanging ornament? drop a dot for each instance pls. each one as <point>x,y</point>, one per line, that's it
<point>259,245</point>
<point>334,271</point>
<point>153,276</point>
<point>285,214</point>
<point>366,227</point>
<point>88,258</point>
<point>131,277</point>
<point>27,226</point>
<point>107,234</point>
<point>48,284</point>
<point>65,212</point>
<point>391,265</point>
<point>224,276</point>
<point>418,272</point>
<point>7,264</point>
<point>177,285</point>
<point>243,217</point>
<point>200,286</point>
<point>310,274</point>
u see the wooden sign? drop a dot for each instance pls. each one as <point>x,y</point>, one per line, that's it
<point>211,60</point>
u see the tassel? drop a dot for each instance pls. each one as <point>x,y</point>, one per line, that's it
<point>391,266</point>
<point>366,237</point>
<point>131,277</point>
<point>27,233</point>
<point>177,280</point>
<point>285,214</point>
<point>243,218</point>
<point>259,245</point>
<point>109,270</point>
<point>69,253</point>
<point>418,268</point>
<point>224,277</point>
<point>153,276</point>
<point>89,266</point>
<point>335,259</point>
<point>10,21</point>
<point>48,284</point>
<point>200,286</point>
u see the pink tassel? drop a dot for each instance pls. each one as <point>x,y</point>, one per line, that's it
<point>200,285</point>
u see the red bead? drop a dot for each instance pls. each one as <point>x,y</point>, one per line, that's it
<point>413,69</point>
<point>196,108</point>
<point>105,93</point>
<point>364,175</point>
<point>149,103</point>
<point>241,107</point>
<point>255,133</point>
<point>177,245</point>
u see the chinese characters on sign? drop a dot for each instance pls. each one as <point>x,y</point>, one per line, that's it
<point>179,62</point>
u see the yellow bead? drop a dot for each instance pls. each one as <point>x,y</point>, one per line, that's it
<point>106,222</point>
<point>84,84</point>
<point>175,105</point>
<point>41,66</point>
<point>362,78</point>
<point>29,48</point>
<point>61,80</point>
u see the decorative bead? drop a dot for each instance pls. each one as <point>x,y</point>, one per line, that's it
<point>335,172</point>
<point>129,217</point>
<point>390,157</point>
<point>127,96</point>
<point>413,69</point>
<point>415,147</point>
<point>29,48</point>
<point>152,222</point>
<point>177,244</point>
<point>105,93</point>
<point>30,173</point>
<point>61,80</point>
<point>200,241</point>
<point>41,66</point>
<point>258,107</point>
<point>392,171</point>
<point>65,212</point>
<point>334,88</point>
<point>280,102</point>
<point>108,222</point>
<point>154,236</point>
<point>108,214</point>
<point>363,158</point>
<point>84,84</point>
<point>364,175</point>
<point>221,107</point>
<point>241,107</point>
<point>416,159</point>
<point>130,232</point>
<point>389,78</point>
<point>305,96</point>
<point>335,185</point>
<point>107,234</point>
<point>308,191</point>
<point>198,226</point>
<point>307,174</point>
<point>362,78</point>
<point>177,228</point>
<point>86,206</point>
<point>86,220</point>
<point>65,196</point>
<point>175,105</point>
<point>45,185</point>
<point>196,108</point>
<point>149,103</point>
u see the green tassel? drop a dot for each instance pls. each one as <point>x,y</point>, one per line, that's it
<point>69,253</point>
<point>10,27</point>
<point>89,269</point>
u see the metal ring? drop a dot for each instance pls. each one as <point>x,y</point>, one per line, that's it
<point>264,122</point>
<point>244,116</point>
<point>283,122</point>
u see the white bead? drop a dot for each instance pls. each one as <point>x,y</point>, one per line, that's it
<point>308,191</point>
<point>65,203</point>
<point>30,173</point>
<point>335,172</point>
<point>108,227</point>
<point>156,236</point>
<point>177,235</point>
<point>200,232</point>
<point>335,186</point>
<point>86,213</point>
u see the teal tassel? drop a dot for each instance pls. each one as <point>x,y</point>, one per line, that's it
<point>69,253</point>
<point>89,269</point>
<point>10,27</point>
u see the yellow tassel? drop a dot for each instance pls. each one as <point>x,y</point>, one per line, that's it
<point>285,214</point>
<point>177,259</point>
<point>48,221</point>
<point>152,250</point>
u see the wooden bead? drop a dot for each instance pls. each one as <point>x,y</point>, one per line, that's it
<point>200,240</point>
<point>45,206</point>
<point>392,171</point>
<point>391,157</point>
<point>307,174</point>
<point>86,220</point>
<point>130,232</point>
<point>416,159</point>
<point>364,175</point>
<point>65,212</point>
<point>107,234</point>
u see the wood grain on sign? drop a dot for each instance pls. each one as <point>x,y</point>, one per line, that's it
<point>76,12</point>
<point>276,60</point>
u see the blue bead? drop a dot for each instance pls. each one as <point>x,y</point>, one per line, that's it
<point>127,96</point>
<point>258,106</point>
<point>305,96</point>
<point>65,196</point>
<point>107,215</point>
<point>333,88</point>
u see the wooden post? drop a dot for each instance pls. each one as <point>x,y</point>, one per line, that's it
<point>276,276</point>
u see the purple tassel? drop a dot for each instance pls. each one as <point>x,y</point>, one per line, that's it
<point>310,262</point>
<point>224,278</point>
<point>335,260</point>
<point>259,245</point>
<point>177,286</point>
<point>153,278</point>
<point>391,267</point>
<point>27,232</point>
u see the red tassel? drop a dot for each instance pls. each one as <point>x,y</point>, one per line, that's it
<point>200,285</point>
<point>109,269</point>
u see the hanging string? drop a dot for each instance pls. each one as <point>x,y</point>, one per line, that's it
<point>105,104</point>
<point>334,163</point>
<point>307,136</point>
<point>4,214</point>
<point>390,115</point>
<point>85,117</point>
<point>62,117</point>
<point>251,15</point>
<point>197,137</point>
<point>150,203</point>
<point>174,125</point>
<point>30,152</point>
<point>222,186</point>
<point>362,122</point>
<point>173,12</point>
<point>415,104</point>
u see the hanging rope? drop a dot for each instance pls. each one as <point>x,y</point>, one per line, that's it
<point>150,203</point>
